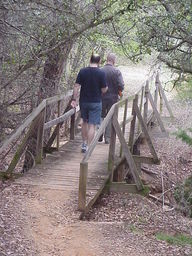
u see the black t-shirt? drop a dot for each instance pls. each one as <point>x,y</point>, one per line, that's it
<point>91,79</point>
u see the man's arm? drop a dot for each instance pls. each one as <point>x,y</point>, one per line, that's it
<point>120,81</point>
<point>75,95</point>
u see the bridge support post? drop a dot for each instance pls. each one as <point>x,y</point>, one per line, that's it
<point>133,123</point>
<point>124,122</point>
<point>40,134</point>
<point>145,111</point>
<point>82,186</point>
<point>58,130</point>
<point>111,157</point>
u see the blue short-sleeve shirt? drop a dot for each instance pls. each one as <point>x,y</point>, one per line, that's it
<point>91,79</point>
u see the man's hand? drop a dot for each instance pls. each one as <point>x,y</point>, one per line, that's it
<point>120,93</point>
<point>73,104</point>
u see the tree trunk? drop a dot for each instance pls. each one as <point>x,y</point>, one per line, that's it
<point>53,70</point>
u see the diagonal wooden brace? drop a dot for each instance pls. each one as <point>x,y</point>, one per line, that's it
<point>128,155</point>
<point>145,131</point>
<point>157,115</point>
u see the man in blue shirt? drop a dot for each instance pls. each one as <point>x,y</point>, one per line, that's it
<point>92,82</point>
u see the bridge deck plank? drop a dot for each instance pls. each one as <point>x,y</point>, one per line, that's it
<point>60,170</point>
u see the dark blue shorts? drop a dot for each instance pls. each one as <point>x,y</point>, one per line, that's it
<point>91,112</point>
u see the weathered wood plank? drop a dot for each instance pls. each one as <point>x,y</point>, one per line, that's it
<point>124,187</point>
<point>111,154</point>
<point>141,107</point>
<point>54,134</point>
<point>165,100</point>
<point>145,131</point>
<point>25,124</point>
<point>128,155</point>
<point>145,160</point>
<point>40,135</point>
<point>82,186</point>
<point>94,198</point>
<point>132,126</point>
<point>124,121</point>
<point>22,146</point>
<point>145,110</point>
<point>156,113</point>
<point>59,97</point>
<point>59,119</point>
<point>58,130</point>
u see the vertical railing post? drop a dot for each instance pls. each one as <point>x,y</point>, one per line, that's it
<point>160,96</point>
<point>111,157</point>
<point>145,112</point>
<point>124,122</point>
<point>58,130</point>
<point>156,90</point>
<point>82,186</point>
<point>141,106</point>
<point>132,126</point>
<point>163,97</point>
<point>40,135</point>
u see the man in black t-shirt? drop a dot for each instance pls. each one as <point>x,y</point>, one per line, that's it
<point>92,82</point>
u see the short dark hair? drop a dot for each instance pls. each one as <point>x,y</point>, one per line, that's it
<point>95,58</point>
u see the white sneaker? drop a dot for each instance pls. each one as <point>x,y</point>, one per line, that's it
<point>84,147</point>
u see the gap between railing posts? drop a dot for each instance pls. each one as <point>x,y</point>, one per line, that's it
<point>160,94</point>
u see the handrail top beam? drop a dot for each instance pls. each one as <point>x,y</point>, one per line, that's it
<point>31,117</point>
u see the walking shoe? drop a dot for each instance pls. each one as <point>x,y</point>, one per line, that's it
<point>107,141</point>
<point>100,138</point>
<point>84,147</point>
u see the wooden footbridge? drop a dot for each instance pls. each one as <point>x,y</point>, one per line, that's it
<point>86,175</point>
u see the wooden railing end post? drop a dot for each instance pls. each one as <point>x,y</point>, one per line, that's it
<point>82,186</point>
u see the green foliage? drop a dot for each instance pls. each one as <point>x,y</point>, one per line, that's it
<point>164,27</point>
<point>178,239</point>
<point>185,89</point>
<point>181,134</point>
<point>135,230</point>
<point>183,196</point>
<point>145,191</point>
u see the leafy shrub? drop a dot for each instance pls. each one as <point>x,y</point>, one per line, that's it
<point>184,136</point>
<point>183,196</point>
<point>179,239</point>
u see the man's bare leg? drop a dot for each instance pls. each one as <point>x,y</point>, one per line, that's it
<point>84,132</point>
<point>91,133</point>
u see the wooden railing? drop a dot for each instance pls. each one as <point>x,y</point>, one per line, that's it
<point>35,123</point>
<point>144,110</point>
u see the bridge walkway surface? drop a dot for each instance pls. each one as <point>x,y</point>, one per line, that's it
<point>85,175</point>
<point>60,170</point>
